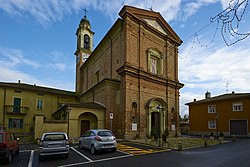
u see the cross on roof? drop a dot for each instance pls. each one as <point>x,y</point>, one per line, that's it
<point>85,11</point>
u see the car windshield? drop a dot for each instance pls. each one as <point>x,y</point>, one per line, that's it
<point>1,137</point>
<point>54,137</point>
<point>105,133</point>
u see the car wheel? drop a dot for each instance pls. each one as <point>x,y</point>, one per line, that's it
<point>17,151</point>
<point>113,149</point>
<point>80,145</point>
<point>66,156</point>
<point>40,158</point>
<point>9,158</point>
<point>92,149</point>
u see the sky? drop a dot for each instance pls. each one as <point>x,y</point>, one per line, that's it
<point>38,41</point>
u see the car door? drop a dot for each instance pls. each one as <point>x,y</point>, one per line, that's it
<point>13,142</point>
<point>85,137</point>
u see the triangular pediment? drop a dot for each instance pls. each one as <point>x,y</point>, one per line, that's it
<point>152,19</point>
<point>156,25</point>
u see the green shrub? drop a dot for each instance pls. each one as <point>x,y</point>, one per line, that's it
<point>221,134</point>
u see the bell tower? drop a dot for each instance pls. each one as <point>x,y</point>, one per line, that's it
<point>84,48</point>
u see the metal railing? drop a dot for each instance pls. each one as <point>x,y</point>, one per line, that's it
<point>16,110</point>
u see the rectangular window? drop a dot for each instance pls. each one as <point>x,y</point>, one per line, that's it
<point>212,124</point>
<point>15,123</point>
<point>211,109</point>
<point>238,106</point>
<point>39,104</point>
<point>17,105</point>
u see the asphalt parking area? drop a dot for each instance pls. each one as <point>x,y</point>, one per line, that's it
<point>28,156</point>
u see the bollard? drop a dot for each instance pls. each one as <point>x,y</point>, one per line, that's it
<point>205,143</point>
<point>234,138</point>
<point>179,148</point>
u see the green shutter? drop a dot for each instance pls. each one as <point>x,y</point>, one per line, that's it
<point>10,123</point>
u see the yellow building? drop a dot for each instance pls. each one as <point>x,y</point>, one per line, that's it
<point>128,83</point>
<point>227,113</point>
<point>20,103</point>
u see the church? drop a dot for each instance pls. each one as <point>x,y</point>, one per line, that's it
<point>128,83</point>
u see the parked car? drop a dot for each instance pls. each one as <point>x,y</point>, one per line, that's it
<point>53,143</point>
<point>8,145</point>
<point>98,139</point>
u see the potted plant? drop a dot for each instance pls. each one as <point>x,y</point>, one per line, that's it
<point>165,135</point>
<point>221,136</point>
<point>212,136</point>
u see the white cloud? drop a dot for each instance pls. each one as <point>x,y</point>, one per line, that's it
<point>192,7</point>
<point>15,57</point>
<point>210,69</point>
<point>58,66</point>
<point>10,75</point>
<point>47,11</point>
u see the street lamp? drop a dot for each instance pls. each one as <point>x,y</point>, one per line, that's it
<point>161,111</point>
<point>217,125</point>
<point>68,111</point>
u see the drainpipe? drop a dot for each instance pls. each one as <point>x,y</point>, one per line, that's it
<point>166,70</point>
<point>139,82</point>
<point>111,56</point>
<point>4,108</point>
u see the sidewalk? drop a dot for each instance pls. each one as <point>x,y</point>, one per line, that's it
<point>180,143</point>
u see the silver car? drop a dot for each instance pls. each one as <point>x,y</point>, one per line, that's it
<point>53,143</point>
<point>98,139</point>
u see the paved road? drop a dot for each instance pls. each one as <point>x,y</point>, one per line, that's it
<point>234,154</point>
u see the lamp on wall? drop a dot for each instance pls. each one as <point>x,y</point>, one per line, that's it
<point>160,109</point>
<point>68,110</point>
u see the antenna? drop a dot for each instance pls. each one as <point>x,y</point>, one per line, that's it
<point>227,87</point>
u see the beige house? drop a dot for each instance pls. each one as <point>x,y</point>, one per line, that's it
<point>128,83</point>
<point>21,103</point>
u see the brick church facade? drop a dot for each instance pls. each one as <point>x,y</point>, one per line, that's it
<point>132,73</point>
<point>128,83</point>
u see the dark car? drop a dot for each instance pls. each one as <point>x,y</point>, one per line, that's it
<point>53,143</point>
<point>98,139</point>
<point>8,146</point>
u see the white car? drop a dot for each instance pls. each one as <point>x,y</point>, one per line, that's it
<point>53,143</point>
<point>98,139</point>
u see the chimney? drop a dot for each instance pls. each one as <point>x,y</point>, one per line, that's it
<point>233,92</point>
<point>194,100</point>
<point>19,81</point>
<point>207,95</point>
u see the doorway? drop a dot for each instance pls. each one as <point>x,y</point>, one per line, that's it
<point>155,122</point>
<point>85,125</point>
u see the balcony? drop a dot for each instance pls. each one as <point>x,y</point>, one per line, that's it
<point>16,110</point>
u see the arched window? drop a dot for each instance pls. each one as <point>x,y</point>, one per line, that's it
<point>134,109</point>
<point>86,41</point>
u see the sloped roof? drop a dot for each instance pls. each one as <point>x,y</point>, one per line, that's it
<point>23,86</point>
<point>221,98</point>
<point>142,14</point>
<point>87,105</point>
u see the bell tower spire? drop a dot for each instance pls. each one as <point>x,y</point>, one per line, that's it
<point>84,46</point>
